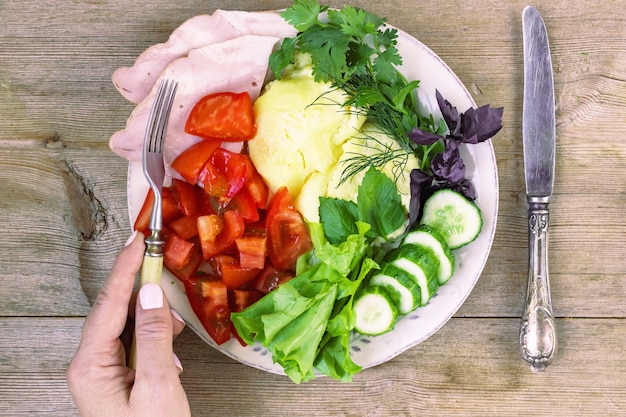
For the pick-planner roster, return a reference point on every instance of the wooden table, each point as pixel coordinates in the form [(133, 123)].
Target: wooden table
[(64, 216)]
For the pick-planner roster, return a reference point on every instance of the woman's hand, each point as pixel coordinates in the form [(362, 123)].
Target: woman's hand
[(99, 380)]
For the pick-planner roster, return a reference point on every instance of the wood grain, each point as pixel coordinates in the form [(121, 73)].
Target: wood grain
[(63, 214)]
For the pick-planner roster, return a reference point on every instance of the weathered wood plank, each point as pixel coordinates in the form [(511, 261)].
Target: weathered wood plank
[(63, 220), (469, 368)]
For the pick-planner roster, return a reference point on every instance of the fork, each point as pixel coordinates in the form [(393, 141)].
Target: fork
[(154, 171)]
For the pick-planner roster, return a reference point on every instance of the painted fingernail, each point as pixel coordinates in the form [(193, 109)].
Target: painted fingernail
[(131, 238), (177, 316), (150, 296), (177, 363)]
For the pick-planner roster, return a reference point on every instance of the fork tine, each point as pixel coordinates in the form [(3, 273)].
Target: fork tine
[(163, 106)]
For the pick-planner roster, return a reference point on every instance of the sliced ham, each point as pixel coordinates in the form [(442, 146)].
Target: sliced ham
[(236, 65), (136, 82)]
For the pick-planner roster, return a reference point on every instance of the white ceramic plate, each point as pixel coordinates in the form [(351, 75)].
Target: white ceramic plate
[(420, 63)]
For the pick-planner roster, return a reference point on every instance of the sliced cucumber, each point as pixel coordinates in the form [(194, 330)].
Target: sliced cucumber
[(402, 288), (429, 237), (375, 311), (420, 263), (457, 219)]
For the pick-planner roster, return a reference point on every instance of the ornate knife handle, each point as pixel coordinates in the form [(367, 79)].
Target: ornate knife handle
[(538, 340)]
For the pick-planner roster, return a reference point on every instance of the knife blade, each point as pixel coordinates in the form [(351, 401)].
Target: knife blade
[(538, 338)]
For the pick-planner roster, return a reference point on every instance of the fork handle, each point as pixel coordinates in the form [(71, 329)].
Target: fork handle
[(151, 270), (152, 265)]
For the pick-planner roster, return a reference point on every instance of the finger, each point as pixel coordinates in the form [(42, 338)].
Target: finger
[(178, 323), (107, 318), (153, 337)]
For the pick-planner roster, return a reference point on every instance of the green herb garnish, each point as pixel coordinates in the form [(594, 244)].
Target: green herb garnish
[(354, 51)]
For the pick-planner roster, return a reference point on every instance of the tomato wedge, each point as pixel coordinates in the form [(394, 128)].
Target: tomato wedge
[(252, 251), (287, 235), (223, 116), (189, 163), (208, 298), (231, 272), (217, 233), (224, 174)]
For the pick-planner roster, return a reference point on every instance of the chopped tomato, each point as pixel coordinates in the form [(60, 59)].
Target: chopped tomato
[(208, 204), (189, 163), (244, 204), (217, 233), (169, 209), (208, 298), (243, 299), (191, 267), (224, 174), (186, 226), (252, 251), (223, 116), (255, 185), (231, 272), (188, 199), (240, 300), (177, 251), (143, 218), (287, 235), (270, 279)]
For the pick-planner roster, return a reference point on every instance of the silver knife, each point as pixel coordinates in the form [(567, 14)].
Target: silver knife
[(538, 339)]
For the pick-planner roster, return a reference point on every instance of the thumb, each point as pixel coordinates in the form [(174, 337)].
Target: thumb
[(154, 337)]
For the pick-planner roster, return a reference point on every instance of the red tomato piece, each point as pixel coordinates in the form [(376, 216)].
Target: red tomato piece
[(191, 267), (189, 163), (243, 299), (231, 272), (170, 205), (244, 204), (217, 233), (208, 204), (177, 251), (213, 181), (252, 251), (186, 226), (170, 209), (187, 197), (287, 235), (255, 185), (224, 116), (224, 174), (143, 218), (208, 298), (270, 279)]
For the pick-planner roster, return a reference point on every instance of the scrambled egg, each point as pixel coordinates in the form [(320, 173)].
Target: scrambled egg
[(304, 135)]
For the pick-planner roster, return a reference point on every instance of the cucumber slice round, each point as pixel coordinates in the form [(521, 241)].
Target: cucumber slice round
[(427, 236), (375, 312), (402, 288), (457, 219), (420, 263)]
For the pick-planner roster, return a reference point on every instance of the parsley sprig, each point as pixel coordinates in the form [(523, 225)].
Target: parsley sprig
[(356, 52)]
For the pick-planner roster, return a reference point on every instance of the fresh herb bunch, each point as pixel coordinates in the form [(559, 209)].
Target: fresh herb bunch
[(447, 169), (354, 51)]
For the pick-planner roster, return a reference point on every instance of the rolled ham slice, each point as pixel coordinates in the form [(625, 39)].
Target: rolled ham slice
[(136, 82)]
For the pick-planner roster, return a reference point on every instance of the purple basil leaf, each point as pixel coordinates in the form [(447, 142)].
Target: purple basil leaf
[(449, 113), (478, 125), (419, 181), (449, 165), (466, 188), (421, 137)]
